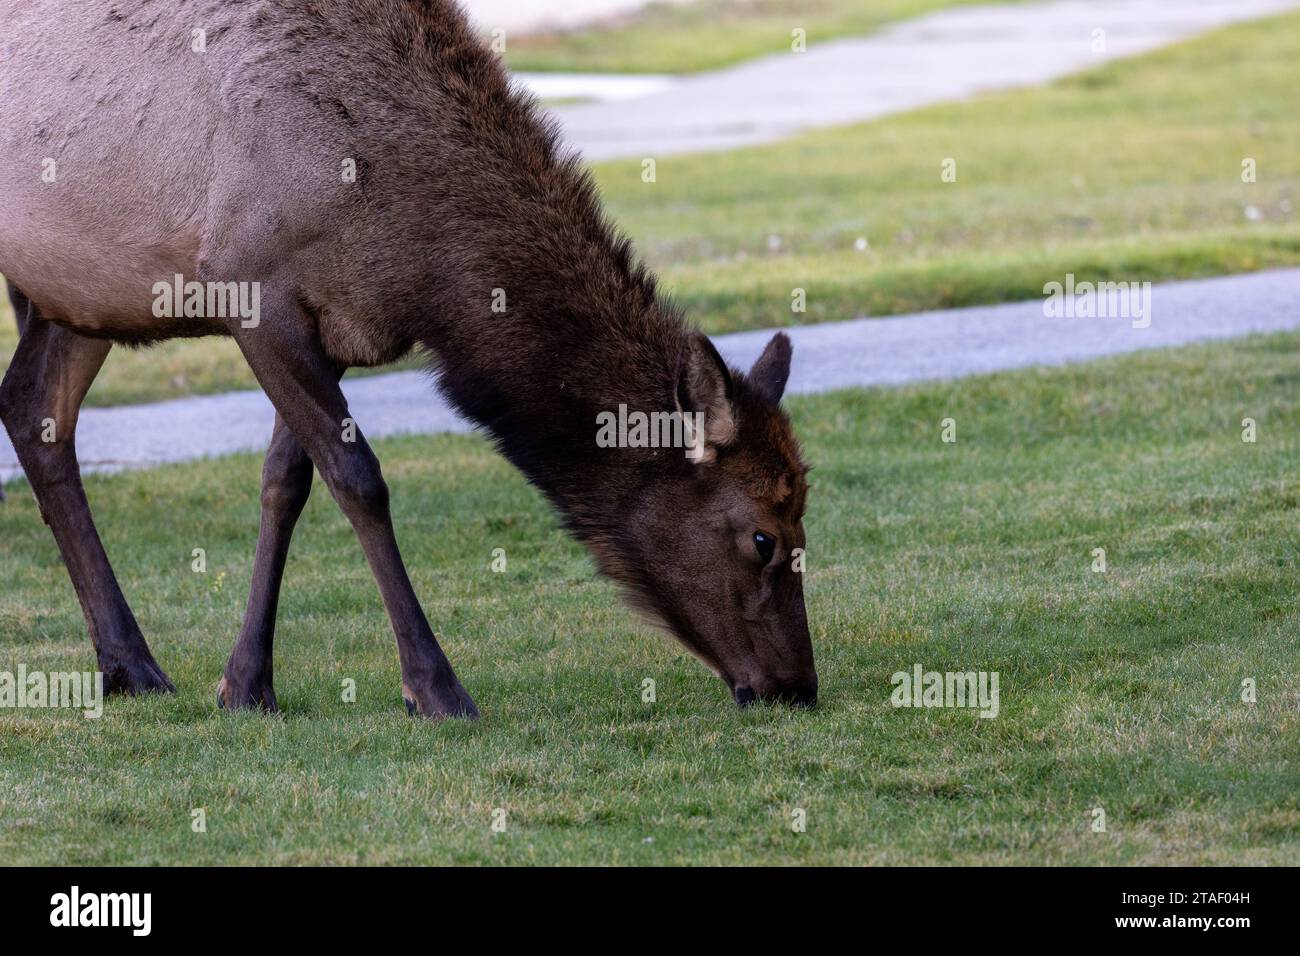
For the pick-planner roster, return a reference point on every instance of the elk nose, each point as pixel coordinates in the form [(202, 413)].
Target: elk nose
[(802, 692)]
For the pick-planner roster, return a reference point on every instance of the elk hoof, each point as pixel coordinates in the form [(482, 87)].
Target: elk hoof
[(134, 676), (448, 701), (231, 696)]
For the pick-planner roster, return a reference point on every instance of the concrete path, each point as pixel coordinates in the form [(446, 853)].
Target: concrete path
[(602, 87), (890, 351), (948, 55)]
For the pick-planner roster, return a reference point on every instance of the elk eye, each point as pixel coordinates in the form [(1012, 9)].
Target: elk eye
[(765, 544)]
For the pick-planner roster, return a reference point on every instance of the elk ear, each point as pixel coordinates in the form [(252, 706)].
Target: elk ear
[(772, 370), (704, 386)]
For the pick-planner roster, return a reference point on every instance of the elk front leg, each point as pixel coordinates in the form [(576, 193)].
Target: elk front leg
[(21, 306), (286, 485), (285, 353), (39, 400)]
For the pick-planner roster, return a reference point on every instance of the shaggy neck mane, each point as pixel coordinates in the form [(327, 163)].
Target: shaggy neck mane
[(556, 321), (582, 333), (560, 325)]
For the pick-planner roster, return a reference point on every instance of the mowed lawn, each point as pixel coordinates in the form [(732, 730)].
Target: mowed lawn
[(1119, 690)]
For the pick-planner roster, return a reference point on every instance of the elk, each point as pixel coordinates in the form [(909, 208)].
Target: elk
[(370, 167)]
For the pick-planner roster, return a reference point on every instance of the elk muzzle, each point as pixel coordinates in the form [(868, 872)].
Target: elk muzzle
[(800, 691)]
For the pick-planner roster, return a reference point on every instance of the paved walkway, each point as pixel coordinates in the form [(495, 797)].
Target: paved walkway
[(890, 351), (604, 87), (948, 55)]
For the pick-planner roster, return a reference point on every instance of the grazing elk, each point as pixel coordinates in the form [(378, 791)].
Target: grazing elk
[(216, 140)]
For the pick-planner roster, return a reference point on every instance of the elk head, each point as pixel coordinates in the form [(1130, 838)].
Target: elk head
[(713, 548)]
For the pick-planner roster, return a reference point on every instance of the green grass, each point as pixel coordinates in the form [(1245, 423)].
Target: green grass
[(1130, 172), (707, 34), (1118, 690)]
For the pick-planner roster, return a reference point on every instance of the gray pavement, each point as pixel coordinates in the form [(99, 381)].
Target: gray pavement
[(948, 55), (888, 351)]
